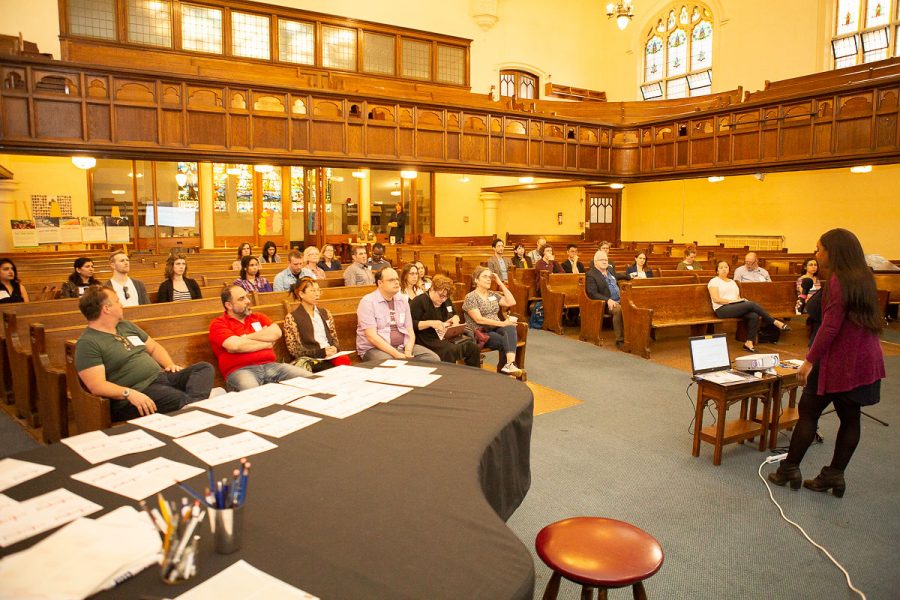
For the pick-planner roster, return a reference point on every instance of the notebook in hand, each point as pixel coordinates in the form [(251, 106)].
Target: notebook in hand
[(711, 361), (452, 332)]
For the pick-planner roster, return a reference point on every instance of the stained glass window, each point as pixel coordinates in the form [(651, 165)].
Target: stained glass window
[(250, 35), (92, 18), (150, 22), (339, 48), (864, 31), (201, 29), (518, 84), (379, 53), (451, 67), (416, 57), (678, 53), (296, 42)]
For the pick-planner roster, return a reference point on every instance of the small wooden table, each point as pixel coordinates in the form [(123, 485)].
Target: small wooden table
[(788, 383), (739, 429)]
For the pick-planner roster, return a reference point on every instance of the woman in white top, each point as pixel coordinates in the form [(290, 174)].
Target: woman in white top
[(409, 281), (311, 264), (728, 304), (244, 249)]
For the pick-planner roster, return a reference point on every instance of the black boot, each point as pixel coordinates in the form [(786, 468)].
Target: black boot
[(787, 472), (829, 479)]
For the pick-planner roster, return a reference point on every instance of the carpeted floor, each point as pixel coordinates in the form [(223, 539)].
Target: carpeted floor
[(625, 453), (13, 438)]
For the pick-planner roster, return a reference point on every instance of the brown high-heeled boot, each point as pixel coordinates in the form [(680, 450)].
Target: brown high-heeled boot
[(829, 479), (787, 472)]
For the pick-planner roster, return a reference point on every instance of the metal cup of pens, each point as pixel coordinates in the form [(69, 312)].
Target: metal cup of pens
[(177, 527), (227, 526)]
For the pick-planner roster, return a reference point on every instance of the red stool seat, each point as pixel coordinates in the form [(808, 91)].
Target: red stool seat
[(599, 552)]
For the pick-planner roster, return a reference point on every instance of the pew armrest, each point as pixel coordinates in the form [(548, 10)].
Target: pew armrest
[(91, 412), (638, 323)]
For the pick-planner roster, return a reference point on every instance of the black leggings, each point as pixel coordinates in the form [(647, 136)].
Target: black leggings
[(750, 311), (811, 407)]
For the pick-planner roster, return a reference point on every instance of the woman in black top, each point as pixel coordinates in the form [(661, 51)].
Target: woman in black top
[(329, 262), (80, 279), (11, 290), (432, 312), (270, 252), (520, 259), (177, 286)]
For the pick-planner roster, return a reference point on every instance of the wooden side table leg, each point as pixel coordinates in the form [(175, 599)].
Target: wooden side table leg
[(552, 589), (722, 405), (698, 420), (775, 417), (637, 590), (767, 407)]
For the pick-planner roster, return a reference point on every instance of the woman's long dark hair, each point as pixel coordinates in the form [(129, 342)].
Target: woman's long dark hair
[(245, 262), (848, 263), (265, 251), (75, 276)]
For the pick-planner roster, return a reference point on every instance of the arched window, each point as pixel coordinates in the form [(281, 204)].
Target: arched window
[(678, 53), (865, 31), (518, 84)]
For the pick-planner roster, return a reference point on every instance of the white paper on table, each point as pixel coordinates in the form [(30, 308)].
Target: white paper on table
[(331, 381), (139, 481), (6, 501), (276, 425), (215, 451), (393, 362), (338, 406), (22, 520), (243, 580), (405, 375), (341, 353), (110, 548), (186, 423), (96, 446), (14, 471), (248, 401)]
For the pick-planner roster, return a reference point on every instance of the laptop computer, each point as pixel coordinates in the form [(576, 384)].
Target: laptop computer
[(711, 361)]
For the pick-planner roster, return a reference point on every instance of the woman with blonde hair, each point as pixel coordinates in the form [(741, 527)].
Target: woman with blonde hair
[(311, 264)]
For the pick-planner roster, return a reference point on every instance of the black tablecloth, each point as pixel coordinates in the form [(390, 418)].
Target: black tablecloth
[(404, 500)]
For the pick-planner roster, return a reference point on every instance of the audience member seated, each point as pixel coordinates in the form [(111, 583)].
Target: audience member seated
[(728, 304), (80, 279), (251, 280), (600, 284), (329, 262), (378, 262), (750, 270), (807, 284), (287, 278), (177, 286), (309, 331), (572, 264), (424, 279), (358, 271), (605, 246), (243, 250), (11, 289), (536, 254), (131, 292), (269, 253), (432, 313), (116, 359), (638, 269), (385, 326), (497, 263), (520, 259), (243, 343), (311, 264), (409, 282), (481, 309), (690, 261), (547, 262)]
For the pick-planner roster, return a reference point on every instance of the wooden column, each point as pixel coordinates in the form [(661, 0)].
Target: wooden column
[(207, 227), (7, 211)]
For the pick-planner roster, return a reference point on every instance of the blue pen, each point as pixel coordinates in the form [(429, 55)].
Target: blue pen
[(186, 488), (243, 483), (212, 480)]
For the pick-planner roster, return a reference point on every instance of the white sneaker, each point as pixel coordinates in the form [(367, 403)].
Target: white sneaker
[(511, 369)]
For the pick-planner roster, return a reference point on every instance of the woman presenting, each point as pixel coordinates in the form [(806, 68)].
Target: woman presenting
[(844, 366)]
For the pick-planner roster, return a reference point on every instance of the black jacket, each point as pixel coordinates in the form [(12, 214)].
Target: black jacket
[(167, 291)]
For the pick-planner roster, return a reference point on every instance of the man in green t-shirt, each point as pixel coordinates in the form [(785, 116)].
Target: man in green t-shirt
[(116, 359)]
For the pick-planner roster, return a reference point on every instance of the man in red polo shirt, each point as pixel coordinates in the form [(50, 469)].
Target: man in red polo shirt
[(243, 343)]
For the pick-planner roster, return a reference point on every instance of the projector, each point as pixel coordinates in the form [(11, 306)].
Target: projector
[(756, 362)]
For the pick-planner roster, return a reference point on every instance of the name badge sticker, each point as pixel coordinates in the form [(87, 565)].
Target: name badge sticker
[(135, 340), (257, 326), (401, 318), (4, 294), (449, 309)]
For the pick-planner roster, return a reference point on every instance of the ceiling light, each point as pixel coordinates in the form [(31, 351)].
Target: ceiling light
[(360, 174), (616, 186), (181, 179), (395, 192), (337, 178), (623, 12), (526, 179), (408, 174), (233, 170), (715, 179), (139, 175), (117, 192), (84, 162), (263, 168), (860, 169), (464, 179)]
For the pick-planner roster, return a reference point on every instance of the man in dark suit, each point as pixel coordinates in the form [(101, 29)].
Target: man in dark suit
[(600, 284), (572, 264)]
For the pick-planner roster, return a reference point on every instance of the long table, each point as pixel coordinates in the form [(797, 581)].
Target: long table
[(407, 499)]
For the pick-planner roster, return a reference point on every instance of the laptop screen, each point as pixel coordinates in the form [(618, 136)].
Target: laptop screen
[(710, 353)]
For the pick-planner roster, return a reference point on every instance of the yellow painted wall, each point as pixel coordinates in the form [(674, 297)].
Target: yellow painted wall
[(799, 206), (535, 212), (47, 175), (38, 20)]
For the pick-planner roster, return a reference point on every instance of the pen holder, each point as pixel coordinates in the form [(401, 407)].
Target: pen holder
[(227, 526), (178, 567)]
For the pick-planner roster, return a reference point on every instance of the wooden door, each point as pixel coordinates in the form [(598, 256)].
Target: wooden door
[(603, 215)]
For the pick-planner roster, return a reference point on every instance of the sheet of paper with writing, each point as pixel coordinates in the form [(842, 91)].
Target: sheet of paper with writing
[(21, 520), (14, 471), (214, 450), (139, 481), (186, 423), (96, 446)]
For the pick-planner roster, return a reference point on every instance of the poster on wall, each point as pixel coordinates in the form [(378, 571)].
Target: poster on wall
[(24, 233), (92, 230), (117, 230), (69, 230), (47, 230)]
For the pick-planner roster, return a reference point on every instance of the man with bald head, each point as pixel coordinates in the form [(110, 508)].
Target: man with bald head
[(385, 326), (600, 284), (750, 270)]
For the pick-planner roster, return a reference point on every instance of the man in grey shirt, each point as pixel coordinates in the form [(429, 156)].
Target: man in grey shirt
[(750, 270), (359, 273)]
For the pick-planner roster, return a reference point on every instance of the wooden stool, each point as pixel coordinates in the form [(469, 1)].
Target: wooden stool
[(598, 553)]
